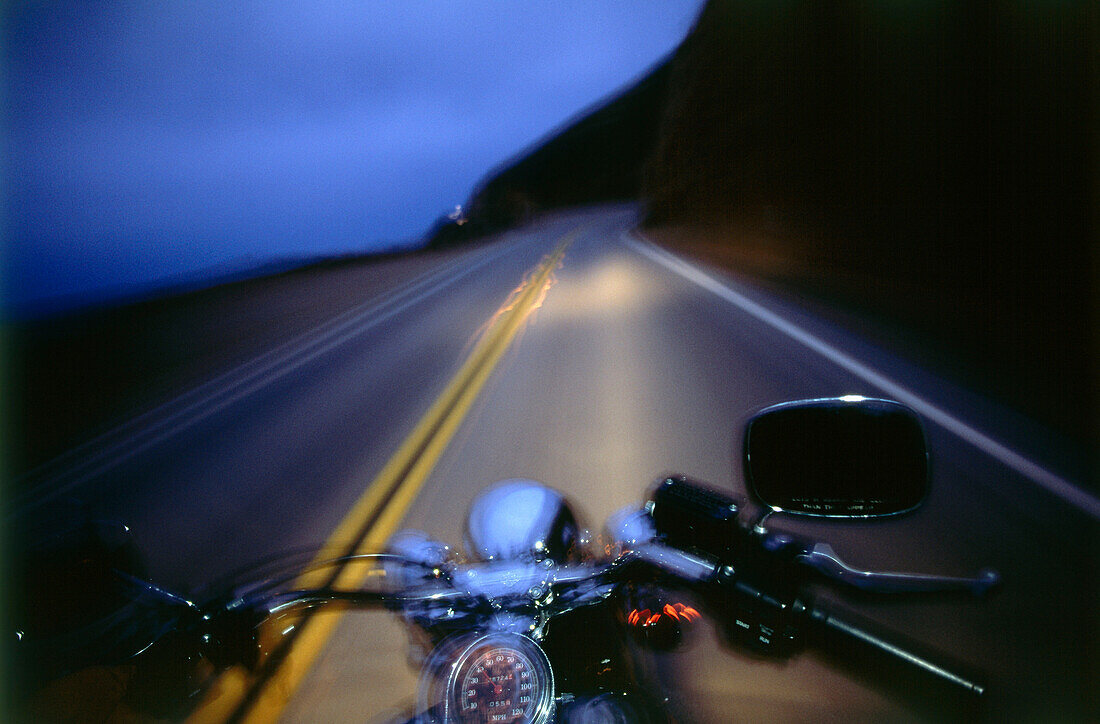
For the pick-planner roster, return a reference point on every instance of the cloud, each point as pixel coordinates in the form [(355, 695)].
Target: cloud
[(156, 139)]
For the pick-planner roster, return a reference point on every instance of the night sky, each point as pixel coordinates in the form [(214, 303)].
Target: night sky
[(152, 144)]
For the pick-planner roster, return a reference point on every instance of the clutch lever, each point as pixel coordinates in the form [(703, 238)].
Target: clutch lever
[(821, 557)]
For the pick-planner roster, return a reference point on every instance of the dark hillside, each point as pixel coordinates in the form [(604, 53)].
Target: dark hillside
[(598, 158), (930, 165)]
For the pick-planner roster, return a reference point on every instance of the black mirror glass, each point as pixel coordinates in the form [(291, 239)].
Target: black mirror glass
[(843, 457)]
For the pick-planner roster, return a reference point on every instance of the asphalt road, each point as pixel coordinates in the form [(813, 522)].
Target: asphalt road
[(633, 365)]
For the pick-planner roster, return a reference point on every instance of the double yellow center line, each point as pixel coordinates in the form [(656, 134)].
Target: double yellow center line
[(255, 697)]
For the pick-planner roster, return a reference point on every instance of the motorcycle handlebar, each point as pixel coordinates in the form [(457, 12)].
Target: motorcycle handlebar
[(847, 635)]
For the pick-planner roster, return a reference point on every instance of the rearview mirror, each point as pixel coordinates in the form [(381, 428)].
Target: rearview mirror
[(843, 457)]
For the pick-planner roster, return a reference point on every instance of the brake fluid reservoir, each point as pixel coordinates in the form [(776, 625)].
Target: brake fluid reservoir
[(693, 516)]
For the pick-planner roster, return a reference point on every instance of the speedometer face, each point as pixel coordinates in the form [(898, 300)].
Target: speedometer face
[(502, 679), (499, 687)]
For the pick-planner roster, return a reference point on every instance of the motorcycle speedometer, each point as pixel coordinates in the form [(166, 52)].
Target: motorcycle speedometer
[(501, 678)]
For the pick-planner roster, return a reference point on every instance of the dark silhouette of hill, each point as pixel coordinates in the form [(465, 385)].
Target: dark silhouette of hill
[(928, 164), (931, 164), (595, 159)]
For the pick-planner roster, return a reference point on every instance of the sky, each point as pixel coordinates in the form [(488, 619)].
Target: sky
[(153, 144)]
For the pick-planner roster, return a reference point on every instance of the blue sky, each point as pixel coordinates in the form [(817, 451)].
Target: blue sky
[(154, 143)]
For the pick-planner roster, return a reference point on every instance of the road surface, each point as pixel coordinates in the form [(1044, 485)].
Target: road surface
[(627, 363)]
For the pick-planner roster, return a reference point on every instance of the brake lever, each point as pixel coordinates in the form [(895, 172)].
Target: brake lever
[(823, 558)]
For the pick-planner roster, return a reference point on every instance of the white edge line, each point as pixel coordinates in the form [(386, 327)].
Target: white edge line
[(1053, 483), (57, 485), (227, 380)]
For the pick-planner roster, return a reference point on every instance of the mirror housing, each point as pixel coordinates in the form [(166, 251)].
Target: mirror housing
[(845, 457)]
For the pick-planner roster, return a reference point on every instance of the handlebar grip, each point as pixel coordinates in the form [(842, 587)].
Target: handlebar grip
[(908, 665)]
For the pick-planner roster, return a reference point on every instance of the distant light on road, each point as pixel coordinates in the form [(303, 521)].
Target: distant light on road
[(614, 286), (458, 215)]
